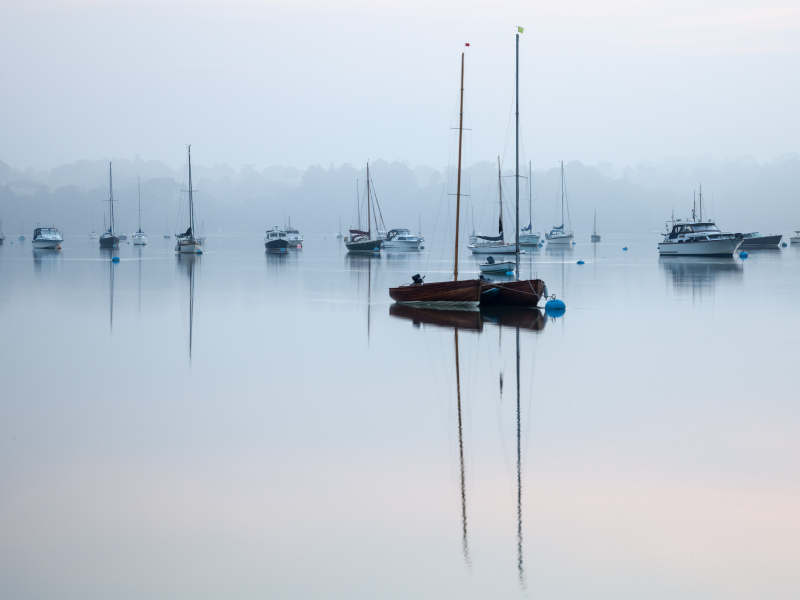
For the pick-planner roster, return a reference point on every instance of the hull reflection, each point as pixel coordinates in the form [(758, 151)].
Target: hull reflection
[(700, 273), (471, 319)]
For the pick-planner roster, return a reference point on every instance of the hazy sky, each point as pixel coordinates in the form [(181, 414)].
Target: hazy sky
[(307, 82)]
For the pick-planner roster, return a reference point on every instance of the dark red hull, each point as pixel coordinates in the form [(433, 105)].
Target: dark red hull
[(455, 292), (527, 292)]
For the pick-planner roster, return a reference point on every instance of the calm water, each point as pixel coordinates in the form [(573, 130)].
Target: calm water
[(242, 425)]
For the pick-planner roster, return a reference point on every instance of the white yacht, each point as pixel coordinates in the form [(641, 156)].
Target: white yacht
[(560, 234), (795, 239), (47, 237), (402, 239), (293, 236), (486, 244), (698, 238), (530, 238), (187, 243), (139, 238)]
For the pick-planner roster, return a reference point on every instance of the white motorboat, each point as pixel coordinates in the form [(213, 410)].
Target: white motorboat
[(560, 234), (276, 240), (531, 238), (139, 238), (698, 237), (293, 236), (759, 240), (492, 266), (595, 235), (47, 238), (402, 239), (187, 243), (796, 238)]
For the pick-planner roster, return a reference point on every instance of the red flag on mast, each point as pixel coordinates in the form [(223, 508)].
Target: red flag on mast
[(466, 44)]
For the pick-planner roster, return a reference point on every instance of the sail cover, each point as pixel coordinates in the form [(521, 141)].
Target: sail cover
[(499, 238), (528, 228)]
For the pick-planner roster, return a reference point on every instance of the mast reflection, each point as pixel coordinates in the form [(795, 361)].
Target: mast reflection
[(464, 544), (520, 567), (188, 263)]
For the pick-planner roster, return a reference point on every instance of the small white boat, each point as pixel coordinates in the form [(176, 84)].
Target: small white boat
[(139, 238), (559, 234), (796, 238), (530, 238), (595, 235), (402, 239), (293, 236), (486, 244), (493, 248), (94, 235), (47, 238), (503, 266)]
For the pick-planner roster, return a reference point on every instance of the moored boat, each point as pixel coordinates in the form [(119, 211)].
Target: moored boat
[(187, 243), (275, 240), (530, 238), (110, 239), (697, 237), (595, 235), (795, 239), (139, 238), (47, 238), (560, 234), (402, 239), (485, 244), (360, 240), (757, 240), (492, 266)]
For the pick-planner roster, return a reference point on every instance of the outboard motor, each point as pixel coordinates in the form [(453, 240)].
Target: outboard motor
[(490, 260), (417, 279)]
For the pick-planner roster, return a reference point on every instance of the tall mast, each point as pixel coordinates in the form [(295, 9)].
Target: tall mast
[(562, 195), (500, 194), (111, 200), (458, 184), (369, 225), (701, 202), (191, 201), (516, 221), (530, 198), (139, 189)]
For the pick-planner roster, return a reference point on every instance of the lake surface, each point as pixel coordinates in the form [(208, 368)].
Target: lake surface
[(250, 425)]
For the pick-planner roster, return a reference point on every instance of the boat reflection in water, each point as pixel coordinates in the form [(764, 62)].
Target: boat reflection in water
[(473, 319), (188, 264), (699, 274), (46, 260)]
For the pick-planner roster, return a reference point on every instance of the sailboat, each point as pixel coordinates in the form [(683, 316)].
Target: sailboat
[(166, 227), (187, 242), (2, 237), (139, 238), (595, 235), (22, 232), (530, 238), (494, 244), (339, 235), (109, 239), (360, 240), (93, 235), (559, 235)]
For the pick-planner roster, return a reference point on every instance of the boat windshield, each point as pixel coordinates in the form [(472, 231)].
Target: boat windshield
[(704, 227)]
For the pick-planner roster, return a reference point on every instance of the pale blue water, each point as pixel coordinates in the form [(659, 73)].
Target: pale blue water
[(297, 437)]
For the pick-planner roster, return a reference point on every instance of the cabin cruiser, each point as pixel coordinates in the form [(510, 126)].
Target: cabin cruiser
[(757, 240), (293, 237), (698, 238), (276, 239), (557, 235), (47, 237), (796, 238), (402, 239)]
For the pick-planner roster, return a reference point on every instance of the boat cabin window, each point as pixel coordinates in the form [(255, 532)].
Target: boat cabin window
[(705, 227)]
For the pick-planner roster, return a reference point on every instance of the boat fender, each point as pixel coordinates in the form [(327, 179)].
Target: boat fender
[(580, 262), (545, 291), (115, 259), (509, 272), (299, 246), (743, 255), (625, 248)]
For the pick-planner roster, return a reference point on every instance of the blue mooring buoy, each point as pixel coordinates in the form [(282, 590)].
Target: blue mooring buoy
[(573, 243), (115, 259), (743, 255), (378, 249), (625, 248), (580, 262), (199, 252), (555, 307), (783, 244)]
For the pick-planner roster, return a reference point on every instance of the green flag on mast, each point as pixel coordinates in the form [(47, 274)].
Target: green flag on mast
[(520, 29)]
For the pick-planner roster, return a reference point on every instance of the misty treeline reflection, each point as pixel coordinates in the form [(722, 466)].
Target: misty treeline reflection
[(627, 199)]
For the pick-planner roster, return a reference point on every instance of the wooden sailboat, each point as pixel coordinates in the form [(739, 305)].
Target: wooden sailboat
[(360, 240), (445, 293), (526, 292)]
